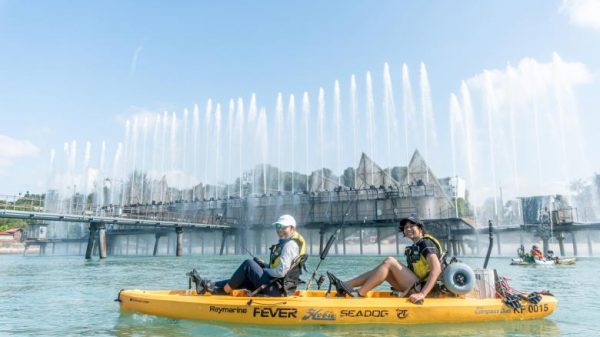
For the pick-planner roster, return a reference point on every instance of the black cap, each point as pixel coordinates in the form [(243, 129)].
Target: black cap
[(410, 219)]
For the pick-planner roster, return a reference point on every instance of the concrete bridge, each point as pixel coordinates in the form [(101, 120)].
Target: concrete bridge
[(354, 238)]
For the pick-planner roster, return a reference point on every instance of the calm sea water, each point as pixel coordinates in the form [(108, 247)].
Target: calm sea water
[(68, 296)]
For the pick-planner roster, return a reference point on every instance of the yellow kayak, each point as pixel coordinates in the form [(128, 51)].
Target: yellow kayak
[(314, 307)]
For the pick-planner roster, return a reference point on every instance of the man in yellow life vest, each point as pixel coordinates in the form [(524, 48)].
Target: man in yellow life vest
[(254, 273), (418, 276)]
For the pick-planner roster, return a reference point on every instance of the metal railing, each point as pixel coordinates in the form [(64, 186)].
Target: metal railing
[(235, 210), (22, 202)]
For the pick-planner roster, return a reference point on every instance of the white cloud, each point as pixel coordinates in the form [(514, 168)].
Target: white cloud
[(12, 149), (531, 78), (584, 13)]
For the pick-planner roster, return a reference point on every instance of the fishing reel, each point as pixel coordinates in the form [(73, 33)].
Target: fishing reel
[(320, 281)]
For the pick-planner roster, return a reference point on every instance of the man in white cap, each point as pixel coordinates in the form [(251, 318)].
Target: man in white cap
[(254, 273)]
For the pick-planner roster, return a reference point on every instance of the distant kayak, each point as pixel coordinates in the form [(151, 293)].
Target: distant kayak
[(527, 259), (553, 261), (308, 307)]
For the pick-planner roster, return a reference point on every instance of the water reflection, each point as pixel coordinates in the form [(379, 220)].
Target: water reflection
[(146, 325)]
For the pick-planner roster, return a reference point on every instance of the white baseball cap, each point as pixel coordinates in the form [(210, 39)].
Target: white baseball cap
[(285, 221)]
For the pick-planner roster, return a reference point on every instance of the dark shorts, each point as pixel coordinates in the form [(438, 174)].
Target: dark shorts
[(417, 287), (251, 276)]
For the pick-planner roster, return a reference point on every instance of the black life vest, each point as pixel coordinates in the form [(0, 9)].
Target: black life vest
[(417, 262)]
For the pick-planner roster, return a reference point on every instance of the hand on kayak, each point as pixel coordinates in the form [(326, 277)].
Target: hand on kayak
[(260, 262), (417, 298)]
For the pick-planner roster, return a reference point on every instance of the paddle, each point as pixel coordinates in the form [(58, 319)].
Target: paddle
[(331, 240)]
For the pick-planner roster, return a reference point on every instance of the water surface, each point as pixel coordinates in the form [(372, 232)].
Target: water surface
[(69, 296)]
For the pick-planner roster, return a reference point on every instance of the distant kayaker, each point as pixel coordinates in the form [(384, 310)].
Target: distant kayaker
[(418, 277), (254, 273), (536, 252)]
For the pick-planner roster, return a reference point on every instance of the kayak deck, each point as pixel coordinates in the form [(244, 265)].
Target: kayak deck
[(313, 307)]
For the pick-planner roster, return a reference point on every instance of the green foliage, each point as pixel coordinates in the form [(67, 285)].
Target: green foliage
[(28, 202), (585, 195), (464, 208), (348, 177), (398, 173), (6, 224)]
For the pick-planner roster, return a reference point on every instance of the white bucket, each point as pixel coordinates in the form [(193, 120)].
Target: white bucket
[(485, 284)]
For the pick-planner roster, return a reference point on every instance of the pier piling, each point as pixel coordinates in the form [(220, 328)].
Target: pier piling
[(321, 237), (223, 239), (360, 240), (378, 240), (91, 240), (561, 243), (101, 239), (156, 239), (179, 250)]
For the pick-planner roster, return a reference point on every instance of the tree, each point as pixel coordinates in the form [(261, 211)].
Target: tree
[(6, 224), (29, 202)]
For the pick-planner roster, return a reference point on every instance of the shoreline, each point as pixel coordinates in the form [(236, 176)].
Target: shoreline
[(8, 248)]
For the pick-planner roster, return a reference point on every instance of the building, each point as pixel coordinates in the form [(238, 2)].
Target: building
[(13, 234), (455, 187)]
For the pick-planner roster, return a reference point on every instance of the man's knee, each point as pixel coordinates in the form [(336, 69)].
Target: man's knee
[(390, 261), (249, 264)]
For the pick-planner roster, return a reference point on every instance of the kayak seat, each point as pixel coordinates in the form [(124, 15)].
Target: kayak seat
[(289, 282)]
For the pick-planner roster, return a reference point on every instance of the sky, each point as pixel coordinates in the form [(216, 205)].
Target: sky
[(79, 72)]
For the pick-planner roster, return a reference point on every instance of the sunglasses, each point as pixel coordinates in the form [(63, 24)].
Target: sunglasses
[(280, 226)]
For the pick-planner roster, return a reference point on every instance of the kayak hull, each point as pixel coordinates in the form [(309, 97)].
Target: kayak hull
[(570, 260), (313, 307), (561, 261)]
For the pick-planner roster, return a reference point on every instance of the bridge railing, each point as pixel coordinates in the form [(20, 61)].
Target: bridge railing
[(315, 207), (322, 206)]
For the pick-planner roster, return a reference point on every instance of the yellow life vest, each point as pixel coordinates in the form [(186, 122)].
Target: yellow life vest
[(417, 261), (276, 249)]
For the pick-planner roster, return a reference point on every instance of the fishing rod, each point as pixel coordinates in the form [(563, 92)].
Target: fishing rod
[(331, 240), (249, 253), (258, 260)]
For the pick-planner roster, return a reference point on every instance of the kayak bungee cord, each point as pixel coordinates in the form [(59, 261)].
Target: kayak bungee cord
[(512, 297)]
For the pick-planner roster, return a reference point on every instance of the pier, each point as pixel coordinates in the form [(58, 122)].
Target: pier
[(98, 226), (365, 217)]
